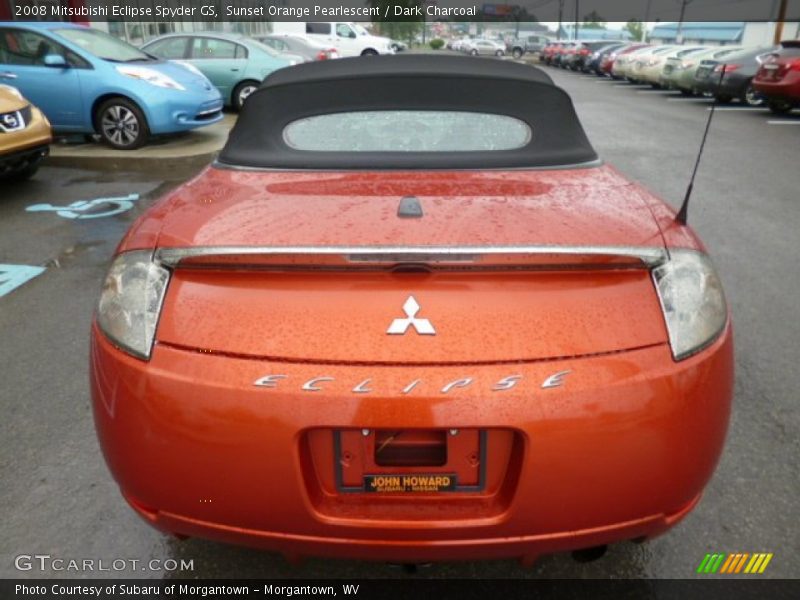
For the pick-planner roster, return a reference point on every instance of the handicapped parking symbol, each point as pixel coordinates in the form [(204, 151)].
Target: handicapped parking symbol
[(81, 209)]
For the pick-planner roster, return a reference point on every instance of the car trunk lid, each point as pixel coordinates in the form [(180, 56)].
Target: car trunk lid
[(500, 267)]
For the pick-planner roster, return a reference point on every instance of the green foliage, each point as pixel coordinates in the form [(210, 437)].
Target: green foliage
[(401, 27), (636, 29), (593, 21), (437, 43)]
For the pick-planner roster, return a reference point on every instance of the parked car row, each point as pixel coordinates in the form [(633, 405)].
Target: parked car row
[(756, 76)]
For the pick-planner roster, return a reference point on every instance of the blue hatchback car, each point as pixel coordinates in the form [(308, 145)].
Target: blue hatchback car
[(87, 81)]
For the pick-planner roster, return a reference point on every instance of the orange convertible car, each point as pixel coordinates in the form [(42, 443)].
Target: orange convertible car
[(409, 315)]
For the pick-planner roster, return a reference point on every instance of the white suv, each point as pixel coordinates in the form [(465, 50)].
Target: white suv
[(350, 39)]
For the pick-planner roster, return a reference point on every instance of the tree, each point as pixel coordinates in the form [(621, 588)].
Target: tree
[(593, 21), (636, 29), (399, 27)]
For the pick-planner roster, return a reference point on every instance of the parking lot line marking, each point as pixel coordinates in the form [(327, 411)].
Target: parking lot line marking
[(13, 276), (685, 99), (740, 109), (797, 122)]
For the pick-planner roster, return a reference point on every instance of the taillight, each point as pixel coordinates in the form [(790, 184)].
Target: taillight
[(726, 68), (794, 65), (584, 51), (327, 53)]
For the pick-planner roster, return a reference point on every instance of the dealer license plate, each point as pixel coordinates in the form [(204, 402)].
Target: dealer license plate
[(411, 483)]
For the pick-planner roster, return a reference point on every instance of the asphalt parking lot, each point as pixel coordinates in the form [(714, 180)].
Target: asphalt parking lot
[(59, 499)]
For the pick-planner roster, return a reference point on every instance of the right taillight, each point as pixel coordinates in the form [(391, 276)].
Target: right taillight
[(692, 300)]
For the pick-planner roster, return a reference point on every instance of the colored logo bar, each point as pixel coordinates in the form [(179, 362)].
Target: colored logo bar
[(738, 562)]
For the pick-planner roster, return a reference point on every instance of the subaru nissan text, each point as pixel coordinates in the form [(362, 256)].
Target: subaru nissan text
[(409, 315)]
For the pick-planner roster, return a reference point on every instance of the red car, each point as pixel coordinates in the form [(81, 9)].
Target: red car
[(778, 79), (549, 51), (409, 315)]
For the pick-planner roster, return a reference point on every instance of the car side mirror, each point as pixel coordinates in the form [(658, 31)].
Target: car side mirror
[(352, 35), (55, 60)]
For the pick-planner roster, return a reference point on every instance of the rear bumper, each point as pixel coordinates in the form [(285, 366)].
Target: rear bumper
[(173, 113), (787, 89), (21, 159), (526, 548), (623, 450), (732, 85), (650, 74)]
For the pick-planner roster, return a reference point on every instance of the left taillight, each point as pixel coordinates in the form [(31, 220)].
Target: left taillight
[(131, 300), (328, 53), (726, 68)]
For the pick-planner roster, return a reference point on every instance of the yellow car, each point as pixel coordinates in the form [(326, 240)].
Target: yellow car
[(25, 135)]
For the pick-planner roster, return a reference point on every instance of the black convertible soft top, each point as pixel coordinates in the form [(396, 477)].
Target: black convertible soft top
[(408, 82)]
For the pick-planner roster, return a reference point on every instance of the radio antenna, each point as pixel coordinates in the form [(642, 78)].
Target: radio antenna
[(683, 213)]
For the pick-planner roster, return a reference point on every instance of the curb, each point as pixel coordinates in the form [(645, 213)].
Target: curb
[(188, 150), (114, 162)]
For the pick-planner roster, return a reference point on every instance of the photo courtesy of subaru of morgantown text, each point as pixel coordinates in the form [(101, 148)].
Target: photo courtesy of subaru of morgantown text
[(449, 299)]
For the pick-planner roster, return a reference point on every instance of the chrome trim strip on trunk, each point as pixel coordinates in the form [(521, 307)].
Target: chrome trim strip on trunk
[(648, 255), (217, 164)]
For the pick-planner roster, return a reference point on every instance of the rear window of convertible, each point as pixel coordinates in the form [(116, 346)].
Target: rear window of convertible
[(407, 131)]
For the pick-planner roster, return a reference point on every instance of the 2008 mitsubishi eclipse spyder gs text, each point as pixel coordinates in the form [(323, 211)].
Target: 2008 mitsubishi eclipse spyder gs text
[(408, 315)]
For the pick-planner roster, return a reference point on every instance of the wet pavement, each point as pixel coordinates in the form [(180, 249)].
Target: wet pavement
[(59, 499)]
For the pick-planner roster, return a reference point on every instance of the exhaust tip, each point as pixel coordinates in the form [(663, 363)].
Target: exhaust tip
[(410, 568), (587, 555)]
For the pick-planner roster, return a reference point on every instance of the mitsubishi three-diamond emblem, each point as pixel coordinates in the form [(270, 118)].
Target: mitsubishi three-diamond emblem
[(400, 326)]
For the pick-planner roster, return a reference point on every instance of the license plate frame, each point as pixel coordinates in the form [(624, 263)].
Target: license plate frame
[(455, 486)]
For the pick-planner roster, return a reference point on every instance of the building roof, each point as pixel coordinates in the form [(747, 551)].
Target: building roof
[(588, 33), (723, 31)]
